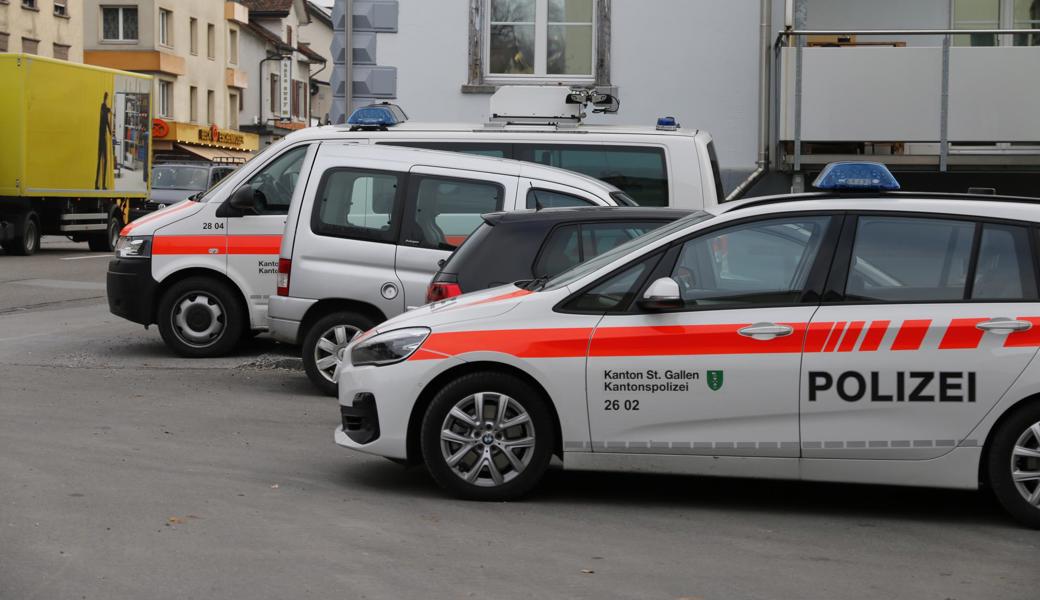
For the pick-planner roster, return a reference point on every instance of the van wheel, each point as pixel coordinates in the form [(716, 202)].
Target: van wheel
[(1013, 465), (107, 242), (26, 239), (323, 341), (487, 436), (201, 317)]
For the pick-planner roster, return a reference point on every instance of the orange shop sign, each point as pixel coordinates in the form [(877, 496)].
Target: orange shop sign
[(189, 133)]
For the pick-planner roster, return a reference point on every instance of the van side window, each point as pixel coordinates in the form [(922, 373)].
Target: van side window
[(640, 172), (357, 204), (539, 199), (275, 183), (478, 149), (447, 210), (1005, 270)]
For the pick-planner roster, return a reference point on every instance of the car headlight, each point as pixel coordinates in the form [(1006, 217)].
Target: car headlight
[(388, 348), (137, 246)]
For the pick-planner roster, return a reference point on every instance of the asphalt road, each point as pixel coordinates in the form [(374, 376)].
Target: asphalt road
[(128, 473)]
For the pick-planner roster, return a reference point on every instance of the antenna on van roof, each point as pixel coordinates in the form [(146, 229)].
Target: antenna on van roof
[(547, 105)]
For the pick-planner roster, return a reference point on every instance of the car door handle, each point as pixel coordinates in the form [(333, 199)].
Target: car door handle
[(1004, 326), (766, 331)]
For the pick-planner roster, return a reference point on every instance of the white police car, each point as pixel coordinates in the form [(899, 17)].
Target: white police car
[(856, 335)]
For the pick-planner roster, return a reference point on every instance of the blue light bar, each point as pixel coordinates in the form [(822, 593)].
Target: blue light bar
[(377, 116), (667, 124), (856, 176)]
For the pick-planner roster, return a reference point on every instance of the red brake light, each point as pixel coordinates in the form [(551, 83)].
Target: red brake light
[(442, 291), (284, 270)]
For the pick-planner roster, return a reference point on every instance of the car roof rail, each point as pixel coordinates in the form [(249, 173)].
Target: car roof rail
[(765, 200)]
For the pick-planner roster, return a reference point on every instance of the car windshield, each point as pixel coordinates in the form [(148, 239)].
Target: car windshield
[(581, 270), (177, 177), (258, 158)]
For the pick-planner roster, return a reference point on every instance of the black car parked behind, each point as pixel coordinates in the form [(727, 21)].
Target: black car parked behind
[(515, 246)]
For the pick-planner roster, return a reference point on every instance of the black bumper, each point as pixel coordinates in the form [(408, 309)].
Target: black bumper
[(361, 421), (131, 289)]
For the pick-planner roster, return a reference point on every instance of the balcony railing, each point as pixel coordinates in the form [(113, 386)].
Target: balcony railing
[(919, 105)]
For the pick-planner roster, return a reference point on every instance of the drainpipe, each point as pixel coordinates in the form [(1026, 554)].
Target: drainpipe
[(765, 45)]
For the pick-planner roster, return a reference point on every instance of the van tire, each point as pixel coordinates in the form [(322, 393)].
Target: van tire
[(320, 376), (456, 398), (201, 317), (106, 242), (26, 240), (1021, 427)]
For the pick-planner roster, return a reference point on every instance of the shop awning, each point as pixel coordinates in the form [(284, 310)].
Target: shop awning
[(216, 154)]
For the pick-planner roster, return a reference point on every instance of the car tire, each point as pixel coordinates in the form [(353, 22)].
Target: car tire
[(26, 240), (201, 317), (1015, 447), (470, 458), (322, 342), (107, 242)]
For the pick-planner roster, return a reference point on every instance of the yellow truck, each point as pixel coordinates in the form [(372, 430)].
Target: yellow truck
[(74, 152)]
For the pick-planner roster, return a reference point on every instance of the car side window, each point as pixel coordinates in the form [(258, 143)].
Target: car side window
[(572, 244), (274, 183), (447, 210), (909, 259), (614, 292), (762, 262), (562, 250), (538, 199), (597, 238), (639, 171), (357, 204), (1005, 268)]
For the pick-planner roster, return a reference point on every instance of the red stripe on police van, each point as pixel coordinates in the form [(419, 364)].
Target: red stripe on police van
[(524, 343), (163, 212), (911, 334), (690, 340), (1028, 338), (962, 335), (875, 333), (848, 343), (216, 244)]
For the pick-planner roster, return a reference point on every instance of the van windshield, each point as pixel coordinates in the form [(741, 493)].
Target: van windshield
[(180, 177), (581, 270)]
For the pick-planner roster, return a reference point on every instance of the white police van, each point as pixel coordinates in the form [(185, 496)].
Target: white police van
[(855, 335), (235, 254)]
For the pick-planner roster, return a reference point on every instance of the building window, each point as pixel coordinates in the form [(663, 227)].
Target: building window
[(30, 4), (276, 106), (61, 51), (193, 34), (211, 41), (552, 41), (541, 38), (165, 98), (233, 46), (3, 41), (119, 24), (288, 34), (30, 46), (232, 120), (193, 104), (996, 14), (165, 22), (61, 8)]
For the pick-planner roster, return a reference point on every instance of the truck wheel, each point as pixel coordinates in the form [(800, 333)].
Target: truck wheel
[(201, 317), (26, 239), (487, 436), (322, 342), (1013, 465), (107, 242)]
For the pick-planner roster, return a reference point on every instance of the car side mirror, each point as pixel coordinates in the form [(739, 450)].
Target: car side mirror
[(662, 294), (244, 199)]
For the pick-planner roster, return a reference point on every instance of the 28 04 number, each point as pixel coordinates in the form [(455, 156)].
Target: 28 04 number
[(621, 405), (217, 225)]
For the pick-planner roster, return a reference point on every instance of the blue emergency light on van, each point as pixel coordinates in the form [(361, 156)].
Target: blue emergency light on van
[(667, 124), (377, 116), (857, 176)]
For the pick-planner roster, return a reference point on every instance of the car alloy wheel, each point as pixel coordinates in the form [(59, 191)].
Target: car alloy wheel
[(326, 351), (487, 439), (1025, 464)]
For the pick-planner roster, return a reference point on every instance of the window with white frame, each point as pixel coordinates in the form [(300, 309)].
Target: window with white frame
[(540, 39), (165, 22), (996, 14), (119, 23), (61, 8), (165, 98)]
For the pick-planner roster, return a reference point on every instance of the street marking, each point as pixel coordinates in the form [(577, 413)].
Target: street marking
[(87, 256)]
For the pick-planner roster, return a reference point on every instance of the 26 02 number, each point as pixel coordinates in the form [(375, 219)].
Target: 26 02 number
[(621, 405)]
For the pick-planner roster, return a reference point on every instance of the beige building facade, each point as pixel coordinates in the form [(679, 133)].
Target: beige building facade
[(191, 47), (52, 28)]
